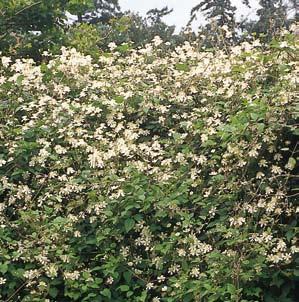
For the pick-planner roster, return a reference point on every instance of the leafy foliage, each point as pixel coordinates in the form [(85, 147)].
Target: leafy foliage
[(150, 175), (272, 15), (29, 27), (94, 11), (136, 30), (221, 10)]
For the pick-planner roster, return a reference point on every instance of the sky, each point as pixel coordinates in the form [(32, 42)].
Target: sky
[(181, 9)]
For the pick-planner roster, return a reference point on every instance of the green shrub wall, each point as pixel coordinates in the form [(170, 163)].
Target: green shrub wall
[(150, 175)]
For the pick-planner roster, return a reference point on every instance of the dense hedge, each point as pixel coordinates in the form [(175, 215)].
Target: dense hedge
[(150, 175)]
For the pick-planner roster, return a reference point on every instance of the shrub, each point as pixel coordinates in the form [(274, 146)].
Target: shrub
[(150, 175)]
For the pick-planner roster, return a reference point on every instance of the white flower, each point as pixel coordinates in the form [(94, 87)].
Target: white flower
[(283, 44), (228, 33), (112, 46), (77, 234), (149, 286), (237, 221), (195, 272), (31, 274), (177, 285), (161, 278), (5, 61), (51, 271), (202, 159), (109, 280), (253, 153), (157, 41), (59, 149), (294, 249), (276, 170), (263, 163), (95, 159), (174, 269), (198, 248), (71, 275), (181, 252), (212, 211), (259, 175), (225, 27), (204, 138), (256, 43)]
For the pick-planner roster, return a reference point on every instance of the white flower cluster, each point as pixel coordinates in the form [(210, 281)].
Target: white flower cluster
[(156, 164)]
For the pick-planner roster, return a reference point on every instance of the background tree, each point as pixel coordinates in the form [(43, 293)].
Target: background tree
[(94, 11), (220, 15), (28, 27), (272, 15), (138, 30), (293, 9), (220, 10)]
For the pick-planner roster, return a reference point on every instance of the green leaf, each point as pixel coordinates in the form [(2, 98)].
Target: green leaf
[(296, 272), (289, 235), (123, 48), (3, 268), (106, 293), (91, 295), (119, 99), (254, 116), (124, 288), (20, 80), (188, 298), (182, 67), (53, 292), (231, 288), (128, 276), (94, 285), (291, 163), (129, 224)]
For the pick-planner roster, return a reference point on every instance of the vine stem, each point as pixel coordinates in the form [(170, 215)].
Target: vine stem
[(11, 296)]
